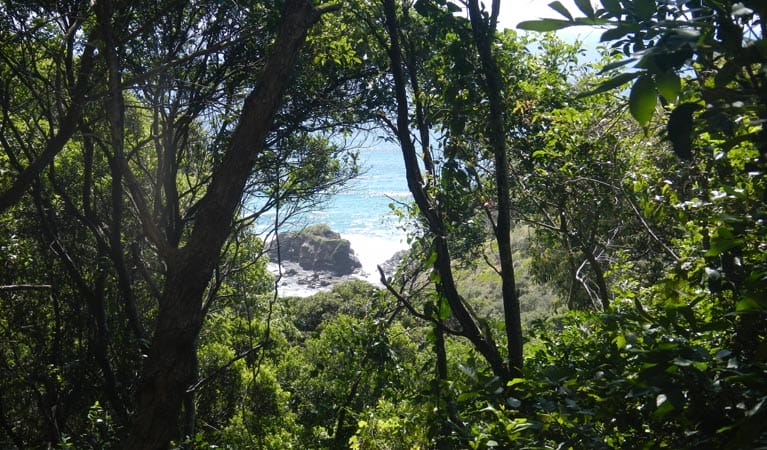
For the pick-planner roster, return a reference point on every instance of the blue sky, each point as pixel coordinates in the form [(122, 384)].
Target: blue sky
[(515, 11)]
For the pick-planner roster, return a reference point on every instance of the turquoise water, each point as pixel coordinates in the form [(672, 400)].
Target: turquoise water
[(363, 205), (361, 212)]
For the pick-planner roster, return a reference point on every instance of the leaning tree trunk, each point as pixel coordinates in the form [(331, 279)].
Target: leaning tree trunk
[(482, 342), (170, 368)]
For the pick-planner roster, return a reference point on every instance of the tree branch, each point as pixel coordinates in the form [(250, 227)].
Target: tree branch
[(24, 287)]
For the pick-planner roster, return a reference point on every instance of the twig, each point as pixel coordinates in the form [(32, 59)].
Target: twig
[(221, 369), (404, 302)]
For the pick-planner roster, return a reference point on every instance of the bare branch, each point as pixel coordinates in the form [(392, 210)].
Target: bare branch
[(216, 373), (24, 287), (409, 306)]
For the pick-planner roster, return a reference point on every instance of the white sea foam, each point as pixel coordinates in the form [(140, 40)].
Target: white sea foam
[(361, 214), (373, 250)]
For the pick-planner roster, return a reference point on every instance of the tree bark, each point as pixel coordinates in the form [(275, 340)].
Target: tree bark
[(599, 275), (483, 34), (469, 329), (170, 368)]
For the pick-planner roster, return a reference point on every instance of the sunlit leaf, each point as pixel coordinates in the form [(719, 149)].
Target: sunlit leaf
[(515, 381), (664, 406), (620, 341), (642, 99), (669, 85)]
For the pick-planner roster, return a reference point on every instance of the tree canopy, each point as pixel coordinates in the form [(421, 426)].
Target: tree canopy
[(587, 243)]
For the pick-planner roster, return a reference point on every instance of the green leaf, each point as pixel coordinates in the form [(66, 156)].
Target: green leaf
[(545, 25), (642, 99), (616, 64), (431, 336), (664, 406), (669, 85), (612, 83), (426, 8), (618, 32), (515, 381), (682, 362), (422, 7), (679, 129), (727, 73), (560, 8), (644, 9), (585, 7), (432, 259), (749, 304), (724, 353), (722, 240), (620, 341), (428, 309), (434, 276), (453, 8), (613, 7), (589, 21), (444, 309)]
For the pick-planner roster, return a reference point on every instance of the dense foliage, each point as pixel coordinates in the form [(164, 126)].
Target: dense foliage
[(588, 266)]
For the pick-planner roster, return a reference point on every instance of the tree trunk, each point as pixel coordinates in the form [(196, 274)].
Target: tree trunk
[(170, 367), (599, 275), (427, 206), (483, 34)]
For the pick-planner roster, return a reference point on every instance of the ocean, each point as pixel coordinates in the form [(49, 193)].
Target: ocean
[(361, 211)]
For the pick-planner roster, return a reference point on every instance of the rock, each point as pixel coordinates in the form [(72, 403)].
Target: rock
[(390, 265), (317, 248)]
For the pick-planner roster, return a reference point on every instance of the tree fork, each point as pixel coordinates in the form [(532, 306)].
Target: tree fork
[(482, 343), (170, 368)]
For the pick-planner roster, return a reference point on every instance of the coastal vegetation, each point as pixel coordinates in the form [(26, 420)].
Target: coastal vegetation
[(587, 262)]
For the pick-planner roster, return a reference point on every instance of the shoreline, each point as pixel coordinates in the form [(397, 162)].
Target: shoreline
[(370, 250)]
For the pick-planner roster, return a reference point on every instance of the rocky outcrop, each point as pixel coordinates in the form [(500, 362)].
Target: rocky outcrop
[(317, 248), (390, 265)]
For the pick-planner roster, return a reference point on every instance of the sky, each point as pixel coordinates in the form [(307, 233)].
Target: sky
[(515, 11)]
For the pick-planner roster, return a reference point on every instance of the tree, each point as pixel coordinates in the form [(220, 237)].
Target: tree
[(144, 176), (470, 115), (403, 63), (580, 199), (699, 64)]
